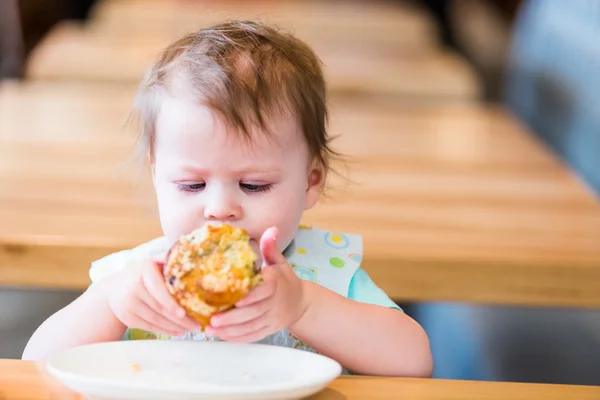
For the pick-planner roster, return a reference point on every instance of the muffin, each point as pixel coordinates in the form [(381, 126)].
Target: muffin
[(209, 270)]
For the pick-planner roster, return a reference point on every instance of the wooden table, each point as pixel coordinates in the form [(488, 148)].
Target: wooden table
[(380, 48), (24, 380), (377, 22), (454, 202), (79, 53)]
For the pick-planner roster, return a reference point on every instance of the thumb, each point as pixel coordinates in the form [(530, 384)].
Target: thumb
[(269, 251)]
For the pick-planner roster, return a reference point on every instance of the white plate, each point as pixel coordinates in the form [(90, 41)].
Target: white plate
[(149, 369)]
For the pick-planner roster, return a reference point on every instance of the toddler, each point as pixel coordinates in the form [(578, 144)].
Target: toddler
[(233, 121)]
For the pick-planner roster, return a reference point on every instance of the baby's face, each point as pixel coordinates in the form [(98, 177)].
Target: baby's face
[(204, 173)]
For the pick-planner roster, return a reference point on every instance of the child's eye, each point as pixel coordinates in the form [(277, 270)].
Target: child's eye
[(191, 187), (253, 188)]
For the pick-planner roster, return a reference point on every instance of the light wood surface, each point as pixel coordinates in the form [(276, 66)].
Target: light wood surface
[(75, 52), (379, 23), (25, 380), (454, 202)]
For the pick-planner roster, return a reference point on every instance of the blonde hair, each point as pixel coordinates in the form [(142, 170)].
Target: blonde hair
[(246, 71)]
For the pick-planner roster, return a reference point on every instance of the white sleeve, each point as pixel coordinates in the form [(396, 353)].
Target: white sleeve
[(109, 264), (117, 261)]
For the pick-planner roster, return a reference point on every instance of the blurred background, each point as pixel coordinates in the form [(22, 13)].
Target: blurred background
[(473, 127)]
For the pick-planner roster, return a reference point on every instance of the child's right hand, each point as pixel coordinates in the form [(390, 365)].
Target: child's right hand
[(139, 298)]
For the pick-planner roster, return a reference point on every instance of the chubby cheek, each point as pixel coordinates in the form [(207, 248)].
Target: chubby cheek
[(284, 213), (286, 226), (177, 216)]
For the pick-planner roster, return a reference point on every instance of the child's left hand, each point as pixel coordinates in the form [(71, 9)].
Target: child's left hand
[(276, 304)]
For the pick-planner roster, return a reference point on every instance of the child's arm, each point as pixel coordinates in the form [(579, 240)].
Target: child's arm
[(88, 319), (133, 297), (365, 338)]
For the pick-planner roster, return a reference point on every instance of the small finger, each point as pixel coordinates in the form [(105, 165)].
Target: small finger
[(159, 258), (260, 293), (187, 323), (271, 254), (250, 337), (241, 315), (233, 331), (155, 284), (141, 323), (157, 319)]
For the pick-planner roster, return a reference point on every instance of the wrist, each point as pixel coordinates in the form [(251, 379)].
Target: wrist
[(305, 305), (101, 291)]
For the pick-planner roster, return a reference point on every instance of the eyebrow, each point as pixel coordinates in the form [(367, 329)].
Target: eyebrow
[(247, 170)]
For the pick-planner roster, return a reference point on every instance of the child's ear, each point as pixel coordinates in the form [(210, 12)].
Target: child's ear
[(316, 182)]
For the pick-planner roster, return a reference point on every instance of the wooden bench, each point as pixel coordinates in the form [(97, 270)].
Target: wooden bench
[(455, 202), (73, 52)]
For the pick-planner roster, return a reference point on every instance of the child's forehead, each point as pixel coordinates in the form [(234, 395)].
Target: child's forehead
[(187, 123)]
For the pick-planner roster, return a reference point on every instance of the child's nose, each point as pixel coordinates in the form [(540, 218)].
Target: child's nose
[(222, 208)]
